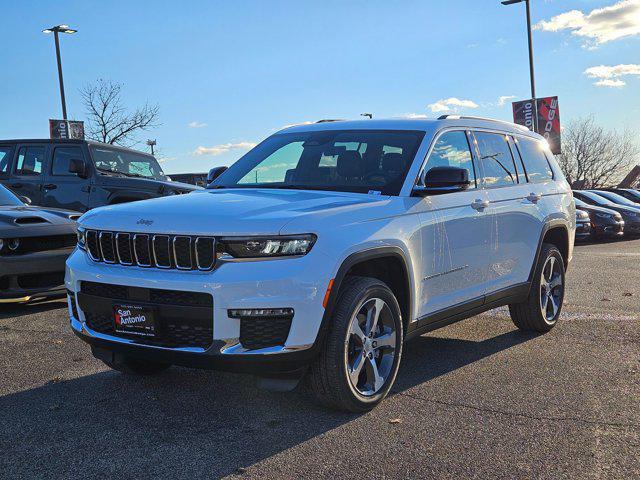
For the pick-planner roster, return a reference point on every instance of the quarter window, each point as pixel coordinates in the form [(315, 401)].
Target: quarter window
[(5, 158), (61, 158), (498, 169), (535, 161), (452, 150), (30, 161)]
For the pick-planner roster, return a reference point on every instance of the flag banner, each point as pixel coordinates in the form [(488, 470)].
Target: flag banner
[(523, 113), (65, 129), (549, 122)]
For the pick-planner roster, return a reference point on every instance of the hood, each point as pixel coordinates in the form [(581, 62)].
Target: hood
[(622, 209), (230, 211), (24, 221), (593, 208)]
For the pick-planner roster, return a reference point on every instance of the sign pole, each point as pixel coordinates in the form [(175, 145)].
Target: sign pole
[(64, 103), (531, 69)]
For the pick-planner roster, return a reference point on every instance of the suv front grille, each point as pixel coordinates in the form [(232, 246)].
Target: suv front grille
[(152, 250)]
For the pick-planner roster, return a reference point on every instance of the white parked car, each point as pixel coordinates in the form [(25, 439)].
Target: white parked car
[(325, 248)]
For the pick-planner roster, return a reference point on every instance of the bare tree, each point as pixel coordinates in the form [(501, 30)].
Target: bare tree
[(594, 157), (108, 120)]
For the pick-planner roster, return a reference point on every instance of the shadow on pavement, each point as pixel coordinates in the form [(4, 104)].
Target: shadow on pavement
[(10, 310), (185, 423)]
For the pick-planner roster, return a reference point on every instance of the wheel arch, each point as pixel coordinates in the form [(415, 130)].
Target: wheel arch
[(555, 232), (388, 264)]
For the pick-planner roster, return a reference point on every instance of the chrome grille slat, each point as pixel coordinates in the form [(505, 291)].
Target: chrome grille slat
[(123, 248), (161, 251), (106, 247), (180, 245), (149, 250)]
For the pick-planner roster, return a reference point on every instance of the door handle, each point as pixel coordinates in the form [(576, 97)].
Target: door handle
[(534, 197), (49, 186), (16, 185), (480, 204)]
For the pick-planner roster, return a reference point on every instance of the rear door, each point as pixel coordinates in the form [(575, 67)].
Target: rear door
[(62, 189), (455, 234), (516, 221), (6, 157), (28, 171)]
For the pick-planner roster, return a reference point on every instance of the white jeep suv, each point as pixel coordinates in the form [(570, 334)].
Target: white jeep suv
[(325, 248)]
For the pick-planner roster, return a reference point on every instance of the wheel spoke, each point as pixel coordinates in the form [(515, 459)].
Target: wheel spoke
[(385, 340), (356, 368), (373, 375), (554, 306), (556, 281), (373, 314), (552, 262), (356, 330), (545, 303)]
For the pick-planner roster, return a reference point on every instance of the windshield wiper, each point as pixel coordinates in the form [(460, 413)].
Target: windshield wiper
[(117, 172)]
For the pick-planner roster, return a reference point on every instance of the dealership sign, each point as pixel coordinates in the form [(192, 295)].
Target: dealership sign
[(547, 122), (65, 129)]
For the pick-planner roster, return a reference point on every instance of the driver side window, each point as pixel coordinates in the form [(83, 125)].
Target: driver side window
[(452, 150)]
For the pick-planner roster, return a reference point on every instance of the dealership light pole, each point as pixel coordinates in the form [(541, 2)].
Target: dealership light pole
[(151, 143), (56, 31), (531, 70)]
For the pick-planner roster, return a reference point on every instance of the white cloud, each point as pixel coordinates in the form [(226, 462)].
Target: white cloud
[(223, 148), (502, 101), (610, 83), (196, 124), (610, 76), (446, 105), (599, 26)]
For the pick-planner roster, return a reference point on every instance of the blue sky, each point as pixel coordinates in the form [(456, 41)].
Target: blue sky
[(227, 74)]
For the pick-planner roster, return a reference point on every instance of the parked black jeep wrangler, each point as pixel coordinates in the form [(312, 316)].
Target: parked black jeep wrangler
[(82, 174)]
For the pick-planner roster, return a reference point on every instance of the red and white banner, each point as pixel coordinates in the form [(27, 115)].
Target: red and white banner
[(547, 121)]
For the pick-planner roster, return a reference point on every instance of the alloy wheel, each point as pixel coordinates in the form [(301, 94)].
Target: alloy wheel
[(551, 289), (370, 347)]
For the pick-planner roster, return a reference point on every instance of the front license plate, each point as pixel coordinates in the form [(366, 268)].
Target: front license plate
[(134, 320)]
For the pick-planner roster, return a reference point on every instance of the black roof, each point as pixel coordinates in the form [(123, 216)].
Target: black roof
[(72, 141)]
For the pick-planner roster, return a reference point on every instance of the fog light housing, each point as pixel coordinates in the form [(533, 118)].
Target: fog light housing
[(13, 244), (259, 312)]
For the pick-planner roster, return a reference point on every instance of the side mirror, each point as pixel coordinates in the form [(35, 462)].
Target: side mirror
[(79, 167), (438, 180), (215, 173), (26, 200)]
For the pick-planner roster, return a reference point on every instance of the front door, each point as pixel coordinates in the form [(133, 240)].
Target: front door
[(455, 235), (27, 177), (61, 188)]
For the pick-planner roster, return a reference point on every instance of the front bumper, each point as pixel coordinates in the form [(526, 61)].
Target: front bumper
[(33, 275), (297, 283), (613, 229), (583, 230)]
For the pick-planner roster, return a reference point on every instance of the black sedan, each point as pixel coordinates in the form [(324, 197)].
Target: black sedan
[(628, 193), (34, 244), (630, 215), (604, 222)]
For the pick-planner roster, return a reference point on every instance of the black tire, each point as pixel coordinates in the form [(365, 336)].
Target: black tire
[(328, 375), (132, 366), (528, 315)]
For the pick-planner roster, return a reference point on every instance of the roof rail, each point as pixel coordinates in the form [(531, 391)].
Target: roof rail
[(325, 120), (470, 117)]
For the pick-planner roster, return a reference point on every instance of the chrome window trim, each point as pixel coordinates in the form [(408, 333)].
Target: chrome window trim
[(213, 246), (118, 248), (104, 259), (175, 256), (155, 258), (135, 250)]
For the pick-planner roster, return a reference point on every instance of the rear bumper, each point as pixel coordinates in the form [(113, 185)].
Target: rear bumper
[(31, 276)]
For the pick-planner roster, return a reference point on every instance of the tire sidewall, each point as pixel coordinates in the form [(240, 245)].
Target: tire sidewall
[(550, 251)]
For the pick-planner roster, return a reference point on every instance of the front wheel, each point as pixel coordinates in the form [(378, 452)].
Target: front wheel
[(361, 354), (541, 310)]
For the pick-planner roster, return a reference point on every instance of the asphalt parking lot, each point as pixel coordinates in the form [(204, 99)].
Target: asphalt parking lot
[(476, 399)]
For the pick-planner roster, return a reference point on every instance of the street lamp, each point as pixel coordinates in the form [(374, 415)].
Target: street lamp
[(151, 143), (57, 30), (531, 71)]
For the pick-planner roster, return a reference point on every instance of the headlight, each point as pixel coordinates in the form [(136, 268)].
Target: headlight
[(632, 214), (265, 247), (1, 244), (604, 215), (582, 215), (82, 238), (13, 244)]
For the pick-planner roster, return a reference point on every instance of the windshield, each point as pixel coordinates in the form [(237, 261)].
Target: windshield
[(130, 164), (597, 199), (7, 198), (619, 199), (363, 161)]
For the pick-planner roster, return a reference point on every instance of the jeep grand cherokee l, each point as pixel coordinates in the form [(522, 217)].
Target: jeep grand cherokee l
[(325, 248)]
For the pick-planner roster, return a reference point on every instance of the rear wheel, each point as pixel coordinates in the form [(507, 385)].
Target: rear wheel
[(541, 310), (361, 354), (132, 366)]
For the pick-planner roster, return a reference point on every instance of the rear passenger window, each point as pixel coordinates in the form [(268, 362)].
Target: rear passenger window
[(5, 159), (498, 169), (452, 150), (61, 158), (535, 161), (30, 161)]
